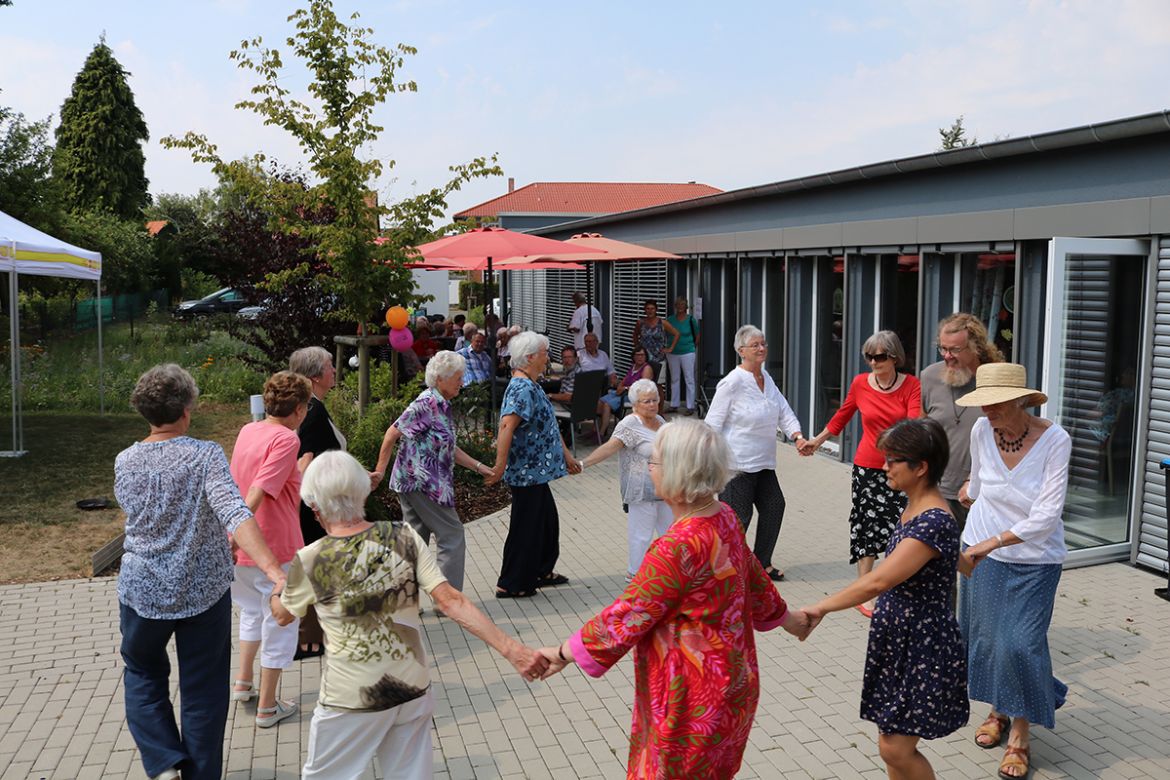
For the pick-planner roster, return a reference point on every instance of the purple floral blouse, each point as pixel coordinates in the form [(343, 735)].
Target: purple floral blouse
[(426, 452)]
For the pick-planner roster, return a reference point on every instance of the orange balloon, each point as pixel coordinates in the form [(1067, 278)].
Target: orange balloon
[(396, 317)]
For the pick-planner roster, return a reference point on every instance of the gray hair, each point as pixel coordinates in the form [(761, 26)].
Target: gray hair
[(523, 346), (695, 461), (746, 334), (885, 341), (310, 361), (641, 388), (163, 393), (443, 365), (515, 329), (335, 486), (469, 329)]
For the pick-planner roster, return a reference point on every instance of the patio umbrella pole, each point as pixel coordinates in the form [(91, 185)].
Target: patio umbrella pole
[(491, 338), (589, 299)]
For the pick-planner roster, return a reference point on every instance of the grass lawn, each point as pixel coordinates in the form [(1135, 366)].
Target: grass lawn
[(43, 535)]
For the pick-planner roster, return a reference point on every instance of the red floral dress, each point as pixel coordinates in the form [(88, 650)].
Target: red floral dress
[(690, 615)]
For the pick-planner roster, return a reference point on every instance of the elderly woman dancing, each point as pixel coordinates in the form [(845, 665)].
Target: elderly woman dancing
[(1015, 549), (748, 409), (883, 395), (179, 500), (424, 471), (633, 438), (689, 616), (530, 454), (268, 474), (915, 684), (317, 434), (365, 579)]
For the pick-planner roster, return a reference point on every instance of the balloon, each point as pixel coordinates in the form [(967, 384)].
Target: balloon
[(401, 339), (396, 317)]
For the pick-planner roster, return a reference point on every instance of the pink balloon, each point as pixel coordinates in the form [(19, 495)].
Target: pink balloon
[(401, 339)]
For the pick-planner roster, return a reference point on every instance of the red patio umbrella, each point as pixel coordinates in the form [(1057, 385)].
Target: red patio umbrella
[(488, 243), (605, 249)]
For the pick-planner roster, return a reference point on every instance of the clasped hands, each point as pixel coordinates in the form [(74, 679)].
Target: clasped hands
[(801, 622)]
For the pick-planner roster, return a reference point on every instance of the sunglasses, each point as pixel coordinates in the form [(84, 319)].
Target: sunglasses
[(880, 357), (891, 461)]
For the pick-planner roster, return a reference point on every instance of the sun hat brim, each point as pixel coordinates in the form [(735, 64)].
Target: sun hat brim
[(989, 396)]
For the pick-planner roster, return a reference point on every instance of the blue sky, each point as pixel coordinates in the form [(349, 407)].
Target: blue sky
[(732, 94)]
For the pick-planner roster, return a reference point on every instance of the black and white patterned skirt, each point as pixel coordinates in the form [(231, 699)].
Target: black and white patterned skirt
[(876, 508)]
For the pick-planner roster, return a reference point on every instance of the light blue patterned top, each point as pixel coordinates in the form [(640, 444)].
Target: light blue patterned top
[(537, 454), (181, 503), (426, 452)]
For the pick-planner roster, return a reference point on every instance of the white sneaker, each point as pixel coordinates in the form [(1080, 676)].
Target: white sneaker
[(267, 717), (167, 774)]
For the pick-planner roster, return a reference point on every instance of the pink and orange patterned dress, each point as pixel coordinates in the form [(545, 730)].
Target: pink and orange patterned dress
[(690, 615)]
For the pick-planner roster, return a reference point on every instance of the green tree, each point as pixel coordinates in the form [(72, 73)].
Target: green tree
[(27, 189), (128, 262), (351, 76), (955, 136), (99, 158)]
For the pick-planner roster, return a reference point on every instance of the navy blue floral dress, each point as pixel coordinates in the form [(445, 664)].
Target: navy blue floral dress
[(916, 665)]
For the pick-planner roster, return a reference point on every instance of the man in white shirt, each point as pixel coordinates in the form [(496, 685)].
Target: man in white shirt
[(579, 324), (593, 359)]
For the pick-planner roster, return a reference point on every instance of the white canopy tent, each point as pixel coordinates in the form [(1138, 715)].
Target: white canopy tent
[(26, 250)]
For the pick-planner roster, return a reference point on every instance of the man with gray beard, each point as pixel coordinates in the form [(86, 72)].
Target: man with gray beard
[(963, 345)]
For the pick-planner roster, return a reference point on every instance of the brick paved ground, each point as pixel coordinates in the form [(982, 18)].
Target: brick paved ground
[(61, 710)]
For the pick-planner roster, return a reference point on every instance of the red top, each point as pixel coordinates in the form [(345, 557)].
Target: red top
[(265, 456), (878, 411)]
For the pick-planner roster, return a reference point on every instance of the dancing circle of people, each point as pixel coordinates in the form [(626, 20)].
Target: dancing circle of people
[(953, 476)]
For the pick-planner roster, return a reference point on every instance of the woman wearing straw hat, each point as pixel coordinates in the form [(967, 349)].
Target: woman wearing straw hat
[(1014, 551)]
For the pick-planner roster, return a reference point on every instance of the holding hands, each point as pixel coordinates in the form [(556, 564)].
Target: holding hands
[(807, 447), (801, 622), (531, 664)]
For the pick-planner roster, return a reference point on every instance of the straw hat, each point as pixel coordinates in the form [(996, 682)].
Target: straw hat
[(999, 382)]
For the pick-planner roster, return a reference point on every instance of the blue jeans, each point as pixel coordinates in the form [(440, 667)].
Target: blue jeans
[(203, 644)]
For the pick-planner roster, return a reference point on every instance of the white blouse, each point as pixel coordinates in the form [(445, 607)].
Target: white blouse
[(749, 419), (1027, 500)]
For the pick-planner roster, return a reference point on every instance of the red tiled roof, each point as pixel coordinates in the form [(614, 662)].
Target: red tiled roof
[(155, 226), (572, 197)]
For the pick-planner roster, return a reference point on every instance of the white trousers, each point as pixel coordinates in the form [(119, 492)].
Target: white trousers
[(646, 522), (343, 742), (681, 366), (251, 590)]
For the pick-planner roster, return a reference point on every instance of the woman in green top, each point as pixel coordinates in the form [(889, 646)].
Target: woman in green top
[(680, 356)]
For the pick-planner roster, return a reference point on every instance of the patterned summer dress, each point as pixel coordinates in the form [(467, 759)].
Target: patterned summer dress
[(690, 615), (916, 664)]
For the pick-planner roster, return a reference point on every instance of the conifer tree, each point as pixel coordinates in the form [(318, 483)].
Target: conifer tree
[(99, 159)]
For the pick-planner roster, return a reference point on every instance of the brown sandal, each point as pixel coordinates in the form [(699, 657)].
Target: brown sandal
[(1014, 758), (993, 728)]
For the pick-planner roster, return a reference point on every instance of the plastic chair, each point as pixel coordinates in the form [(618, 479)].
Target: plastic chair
[(583, 407)]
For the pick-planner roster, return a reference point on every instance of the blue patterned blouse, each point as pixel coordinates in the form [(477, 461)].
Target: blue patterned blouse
[(181, 503), (537, 453), (426, 452)]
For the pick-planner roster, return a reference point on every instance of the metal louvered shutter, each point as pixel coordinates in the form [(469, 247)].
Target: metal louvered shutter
[(1152, 525), (557, 306), (634, 282), (520, 295), (1086, 371)]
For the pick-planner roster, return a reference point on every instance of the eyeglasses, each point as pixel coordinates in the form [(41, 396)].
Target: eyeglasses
[(880, 357), (756, 345), (952, 351), (654, 463), (653, 400), (891, 461)]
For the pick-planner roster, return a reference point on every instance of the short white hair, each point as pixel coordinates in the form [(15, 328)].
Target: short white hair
[(695, 461), (515, 329), (335, 486), (641, 388), (310, 361), (523, 346), (443, 365), (746, 334), (469, 329)]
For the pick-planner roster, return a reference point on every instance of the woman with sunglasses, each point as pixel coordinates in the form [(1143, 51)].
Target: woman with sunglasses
[(884, 396)]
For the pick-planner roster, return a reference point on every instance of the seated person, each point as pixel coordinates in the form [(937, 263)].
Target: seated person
[(479, 361), (612, 401), (424, 345), (463, 334), (503, 354), (568, 377)]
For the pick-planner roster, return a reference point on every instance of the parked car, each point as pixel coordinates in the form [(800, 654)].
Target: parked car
[(225, 301), (251, 313)]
